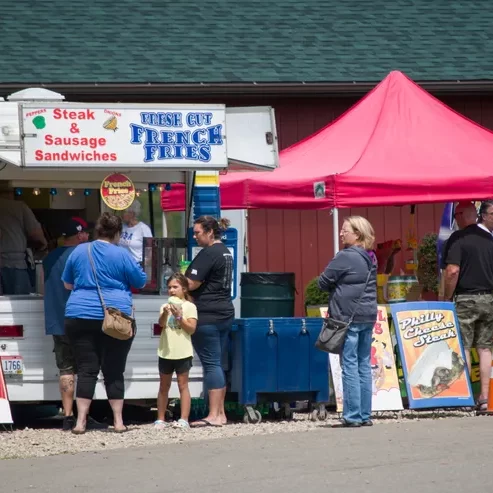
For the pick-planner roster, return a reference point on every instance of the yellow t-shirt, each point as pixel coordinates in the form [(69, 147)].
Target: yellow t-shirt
[(174, 342)]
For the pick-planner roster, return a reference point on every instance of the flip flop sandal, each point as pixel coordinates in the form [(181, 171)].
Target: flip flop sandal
[(122, 430), (203, 423), (77, 432)]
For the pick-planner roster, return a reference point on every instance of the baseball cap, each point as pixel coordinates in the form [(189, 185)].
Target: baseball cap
[(75, 225)]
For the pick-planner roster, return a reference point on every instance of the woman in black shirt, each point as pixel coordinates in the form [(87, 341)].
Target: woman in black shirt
[(210, 278)]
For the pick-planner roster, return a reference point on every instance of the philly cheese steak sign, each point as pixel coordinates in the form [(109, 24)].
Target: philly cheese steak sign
[(432, 354)]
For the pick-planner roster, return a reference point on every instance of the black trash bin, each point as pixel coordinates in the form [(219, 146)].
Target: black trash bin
[(267, 294)]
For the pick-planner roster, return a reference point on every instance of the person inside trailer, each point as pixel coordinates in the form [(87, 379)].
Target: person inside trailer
[(134, 231), (18, 227)]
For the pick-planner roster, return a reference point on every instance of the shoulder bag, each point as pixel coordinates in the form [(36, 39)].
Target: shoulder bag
[(116, 324), (333, 334)]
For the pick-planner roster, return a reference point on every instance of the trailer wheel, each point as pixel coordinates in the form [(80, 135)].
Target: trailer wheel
[(286, 411), (318, 415)]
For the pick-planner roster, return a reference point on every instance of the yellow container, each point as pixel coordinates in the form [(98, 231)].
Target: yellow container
[(381, 283), (313, 311), (398, 288)]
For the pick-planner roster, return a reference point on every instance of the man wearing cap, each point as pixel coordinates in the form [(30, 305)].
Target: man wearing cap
[(75, 232)]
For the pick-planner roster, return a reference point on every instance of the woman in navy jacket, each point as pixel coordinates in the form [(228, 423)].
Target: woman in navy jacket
[(349, 295)]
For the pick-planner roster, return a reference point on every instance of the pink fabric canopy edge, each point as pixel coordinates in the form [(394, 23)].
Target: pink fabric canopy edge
[(397, 145)]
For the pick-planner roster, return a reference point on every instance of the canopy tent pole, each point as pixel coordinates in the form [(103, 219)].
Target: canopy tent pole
[(335, 228)]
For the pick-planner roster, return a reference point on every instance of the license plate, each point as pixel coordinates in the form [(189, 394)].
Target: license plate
[(12, 365)]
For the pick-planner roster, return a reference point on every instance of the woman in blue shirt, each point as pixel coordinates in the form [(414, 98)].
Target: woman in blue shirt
[(117, 272)]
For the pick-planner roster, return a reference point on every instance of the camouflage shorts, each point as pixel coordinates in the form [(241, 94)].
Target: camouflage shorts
[(64, 356), (475, 314)]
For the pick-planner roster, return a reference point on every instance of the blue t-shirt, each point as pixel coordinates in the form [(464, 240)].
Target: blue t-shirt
[(117, 271), (55, 294)]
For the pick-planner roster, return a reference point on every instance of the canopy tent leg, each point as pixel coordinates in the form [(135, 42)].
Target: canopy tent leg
[(335, 228), (189, 186)]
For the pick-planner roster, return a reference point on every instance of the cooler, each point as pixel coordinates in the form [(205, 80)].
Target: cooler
[(275, 360)]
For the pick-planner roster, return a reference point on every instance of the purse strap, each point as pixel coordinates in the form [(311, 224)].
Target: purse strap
[(89, 250), (362, 293)]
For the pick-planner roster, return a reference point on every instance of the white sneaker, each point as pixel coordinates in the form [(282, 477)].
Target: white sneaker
[(182, 423), (160, 425)]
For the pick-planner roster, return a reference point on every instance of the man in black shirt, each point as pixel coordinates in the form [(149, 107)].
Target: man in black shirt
[(465, 214), (469, 279)]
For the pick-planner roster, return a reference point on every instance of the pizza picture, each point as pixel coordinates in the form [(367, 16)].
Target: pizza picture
[(117, 191)]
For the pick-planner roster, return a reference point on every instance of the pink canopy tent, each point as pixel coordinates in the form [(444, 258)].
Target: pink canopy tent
[(398, 145)]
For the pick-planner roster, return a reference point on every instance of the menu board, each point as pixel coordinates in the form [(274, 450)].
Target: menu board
[(433, 358)]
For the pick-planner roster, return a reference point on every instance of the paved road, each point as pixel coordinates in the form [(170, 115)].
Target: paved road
[(447, 455)]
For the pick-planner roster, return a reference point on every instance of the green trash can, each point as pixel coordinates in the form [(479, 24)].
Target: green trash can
[(267, 294)]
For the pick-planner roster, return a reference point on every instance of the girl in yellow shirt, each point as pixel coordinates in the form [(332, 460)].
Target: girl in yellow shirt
[(178, 318)]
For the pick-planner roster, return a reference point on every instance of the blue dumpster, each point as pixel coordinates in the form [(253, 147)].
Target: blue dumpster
[(275, 360)]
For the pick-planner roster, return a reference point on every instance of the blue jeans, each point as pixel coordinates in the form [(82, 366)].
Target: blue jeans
[(211, 344), (356, 373)]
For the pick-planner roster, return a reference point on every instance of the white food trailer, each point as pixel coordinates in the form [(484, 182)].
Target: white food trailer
[(46, 143)]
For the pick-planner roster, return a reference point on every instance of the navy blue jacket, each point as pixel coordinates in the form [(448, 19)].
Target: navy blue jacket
[(344, 279)]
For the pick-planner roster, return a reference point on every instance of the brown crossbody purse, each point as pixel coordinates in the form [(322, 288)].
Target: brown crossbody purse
[(115, 323)]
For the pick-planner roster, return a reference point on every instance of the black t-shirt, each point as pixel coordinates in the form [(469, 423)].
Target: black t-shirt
[(446, 247), (472, 250), (214, 267)]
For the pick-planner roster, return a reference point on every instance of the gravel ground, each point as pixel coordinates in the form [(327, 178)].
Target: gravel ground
[(42, 442)]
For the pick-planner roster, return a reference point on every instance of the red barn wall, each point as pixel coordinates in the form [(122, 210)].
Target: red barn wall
[(301, 241)]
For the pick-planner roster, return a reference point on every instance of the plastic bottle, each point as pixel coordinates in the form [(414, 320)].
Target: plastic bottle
[(167, 273)]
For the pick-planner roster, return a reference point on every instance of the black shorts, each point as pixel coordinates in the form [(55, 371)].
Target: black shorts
[(64, 356), (170, 366)]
